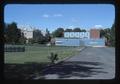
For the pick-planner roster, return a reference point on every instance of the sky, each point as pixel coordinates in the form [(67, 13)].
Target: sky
[(53, 16)]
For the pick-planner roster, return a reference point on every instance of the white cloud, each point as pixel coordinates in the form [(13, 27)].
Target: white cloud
[(57, 15), (46, 15), (98, 26), (54, 15)]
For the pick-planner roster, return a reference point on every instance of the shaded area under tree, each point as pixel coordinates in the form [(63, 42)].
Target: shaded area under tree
[(63, 70)]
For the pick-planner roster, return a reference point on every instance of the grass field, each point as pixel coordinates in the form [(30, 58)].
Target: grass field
[(39, 54)]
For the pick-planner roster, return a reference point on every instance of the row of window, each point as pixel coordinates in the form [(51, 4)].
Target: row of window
[(77, 34)]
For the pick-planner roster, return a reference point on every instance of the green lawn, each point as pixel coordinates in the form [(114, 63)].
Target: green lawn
[(39, 54)]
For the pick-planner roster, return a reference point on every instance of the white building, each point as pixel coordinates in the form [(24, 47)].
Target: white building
[(27, 31), (77, 35)]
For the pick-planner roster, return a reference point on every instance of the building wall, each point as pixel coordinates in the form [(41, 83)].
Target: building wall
[(77, 35), (94, 33), (67, 42), (94, 42), (91, 38), (79, 42), (28, 34)]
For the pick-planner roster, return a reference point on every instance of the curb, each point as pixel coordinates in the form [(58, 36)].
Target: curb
[(69, 57)]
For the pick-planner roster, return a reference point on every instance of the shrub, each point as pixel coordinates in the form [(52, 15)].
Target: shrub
[(53, 57)]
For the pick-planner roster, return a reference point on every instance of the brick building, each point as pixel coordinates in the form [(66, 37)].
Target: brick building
[(94, 33)]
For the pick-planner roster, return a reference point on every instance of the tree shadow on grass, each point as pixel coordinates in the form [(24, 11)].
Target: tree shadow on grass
[(23, 71), (63, 70), (73, 69)]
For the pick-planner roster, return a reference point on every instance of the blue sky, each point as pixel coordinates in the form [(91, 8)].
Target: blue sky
[(52, 16)]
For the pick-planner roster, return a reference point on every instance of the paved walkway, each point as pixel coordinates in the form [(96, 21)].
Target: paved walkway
[(91, 63)]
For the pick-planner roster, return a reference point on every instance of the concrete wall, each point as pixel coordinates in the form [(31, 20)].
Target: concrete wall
[(79, 42), (67, 42), (94, 42)]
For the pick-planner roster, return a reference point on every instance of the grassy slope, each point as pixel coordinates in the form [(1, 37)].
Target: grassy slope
[(38, 54)]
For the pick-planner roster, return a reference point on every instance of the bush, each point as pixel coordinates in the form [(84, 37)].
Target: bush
[(53, 57), (14, 49)]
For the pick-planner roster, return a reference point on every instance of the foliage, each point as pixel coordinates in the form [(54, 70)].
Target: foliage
[(109, 34), (68, 30), (47, 36), (59, 32), (22, 39), (113, 35), (53, 57), (38, 37), (83, 30), (31, 41), (102, 33), (12, 34), (76, 30)]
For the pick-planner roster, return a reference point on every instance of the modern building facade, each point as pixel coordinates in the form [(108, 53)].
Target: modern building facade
[(89, 38)]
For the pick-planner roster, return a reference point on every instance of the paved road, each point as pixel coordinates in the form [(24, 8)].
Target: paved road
[(91, 63)]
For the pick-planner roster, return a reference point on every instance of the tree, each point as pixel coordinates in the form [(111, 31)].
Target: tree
[(102, 33), (83, 30), (76, 30), (47, 36), (22, 39), (59, 32), (106, 33), (113, 35), (5, 33), (68, 30), (37, 36), (107, 30), (12, 33), (31, 40), (109, 34)]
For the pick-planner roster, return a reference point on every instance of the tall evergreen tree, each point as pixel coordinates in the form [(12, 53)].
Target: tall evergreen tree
[(12, 33), (47, 36)]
